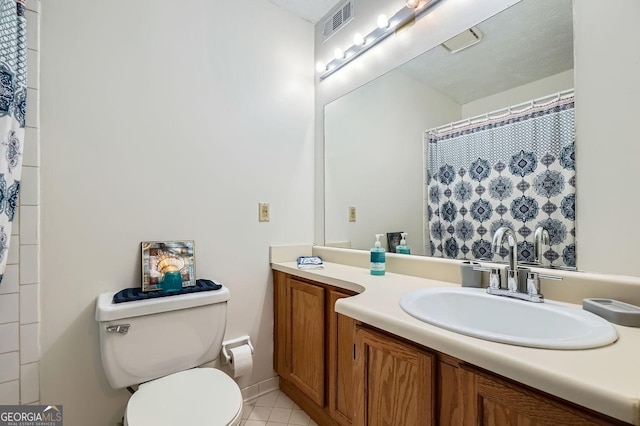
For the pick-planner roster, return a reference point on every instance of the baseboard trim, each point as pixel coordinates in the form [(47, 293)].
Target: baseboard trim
[(253, 392)]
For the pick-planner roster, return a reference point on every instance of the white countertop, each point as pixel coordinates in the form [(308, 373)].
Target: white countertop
[(605, 379)]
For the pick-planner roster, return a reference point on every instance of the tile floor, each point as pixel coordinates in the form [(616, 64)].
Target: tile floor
[(274, 409)]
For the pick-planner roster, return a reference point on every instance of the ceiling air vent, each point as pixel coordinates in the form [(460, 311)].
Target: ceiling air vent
[(463, 40), (338, 19)]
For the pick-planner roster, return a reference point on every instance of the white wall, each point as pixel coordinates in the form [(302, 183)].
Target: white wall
[(160, 121), (19, 316), (386, 135), (607, 149), (526, 92)]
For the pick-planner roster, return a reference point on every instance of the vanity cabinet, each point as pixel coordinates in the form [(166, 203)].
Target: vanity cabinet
[(449, 391), (492, 400), (394, 382), (401, 383), (343, 372), (304, 338), (314, 348), (342, 335)]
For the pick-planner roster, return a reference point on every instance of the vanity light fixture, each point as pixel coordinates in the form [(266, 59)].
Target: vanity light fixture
[(383, 22), (385, 27), (358, 39)]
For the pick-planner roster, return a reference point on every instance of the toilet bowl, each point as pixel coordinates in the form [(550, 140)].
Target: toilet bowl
[(200, 396), (159, 344)]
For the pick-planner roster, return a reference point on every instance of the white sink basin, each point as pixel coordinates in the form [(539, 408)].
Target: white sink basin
[(473, 312)]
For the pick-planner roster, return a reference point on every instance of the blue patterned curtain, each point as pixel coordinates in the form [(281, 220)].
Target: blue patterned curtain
[(516, 171), (13, 101)]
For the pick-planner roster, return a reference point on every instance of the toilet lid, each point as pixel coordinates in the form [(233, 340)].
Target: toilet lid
[(200, 396)]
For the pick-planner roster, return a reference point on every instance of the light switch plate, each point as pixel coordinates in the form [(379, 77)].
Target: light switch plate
[(352, 214)]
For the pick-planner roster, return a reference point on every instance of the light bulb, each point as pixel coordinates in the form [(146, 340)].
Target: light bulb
[(338, 54), (358, 39), (413, 4), (320, 67), (383, 21)]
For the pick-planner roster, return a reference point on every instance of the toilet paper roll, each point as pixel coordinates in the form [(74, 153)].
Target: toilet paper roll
[(241, 360)]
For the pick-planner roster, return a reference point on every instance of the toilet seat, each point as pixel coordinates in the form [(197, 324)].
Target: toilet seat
[(200, 396)]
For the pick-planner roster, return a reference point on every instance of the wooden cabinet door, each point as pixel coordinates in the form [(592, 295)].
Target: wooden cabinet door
[(449, 392), (279, 323), (305, 337), (394, 381), (342, 335), (491, 400)]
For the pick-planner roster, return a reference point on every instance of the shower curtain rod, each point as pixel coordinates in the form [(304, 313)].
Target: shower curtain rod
[(504, 111)]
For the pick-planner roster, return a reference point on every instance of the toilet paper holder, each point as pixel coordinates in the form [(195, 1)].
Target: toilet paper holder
[(233, 343)]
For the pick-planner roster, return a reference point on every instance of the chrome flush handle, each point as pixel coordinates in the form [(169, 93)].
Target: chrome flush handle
[(118, 328)]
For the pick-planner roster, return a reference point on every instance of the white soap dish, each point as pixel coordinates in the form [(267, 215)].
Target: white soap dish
[(614, 311)]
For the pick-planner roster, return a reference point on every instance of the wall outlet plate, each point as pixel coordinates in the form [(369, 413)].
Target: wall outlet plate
[(263, 212)]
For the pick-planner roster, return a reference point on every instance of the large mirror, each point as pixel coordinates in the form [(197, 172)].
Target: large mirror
[(374, 157)]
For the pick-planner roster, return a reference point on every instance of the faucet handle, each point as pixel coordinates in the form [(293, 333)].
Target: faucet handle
[(494, 275), (495, 280), (512, 280), (533, 281), (549, 277)]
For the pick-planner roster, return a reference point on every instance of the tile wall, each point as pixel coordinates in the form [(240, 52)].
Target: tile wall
[(20, 288)]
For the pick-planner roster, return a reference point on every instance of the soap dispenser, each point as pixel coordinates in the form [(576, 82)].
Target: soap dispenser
[(377, 257), (403, 248)]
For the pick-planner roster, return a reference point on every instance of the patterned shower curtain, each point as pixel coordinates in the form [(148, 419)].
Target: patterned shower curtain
[(13, 101), (516, 171)]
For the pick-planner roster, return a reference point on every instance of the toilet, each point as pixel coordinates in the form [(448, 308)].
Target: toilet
[(158, 344)]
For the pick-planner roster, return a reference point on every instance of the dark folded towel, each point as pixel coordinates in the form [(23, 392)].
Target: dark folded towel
[(131, 294)]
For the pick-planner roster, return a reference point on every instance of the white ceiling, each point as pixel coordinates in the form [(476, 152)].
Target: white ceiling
[(527, 42), (309, 10)]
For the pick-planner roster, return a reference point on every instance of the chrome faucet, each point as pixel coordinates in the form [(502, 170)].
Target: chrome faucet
[(532, 294), (541, 236), (498, 239)]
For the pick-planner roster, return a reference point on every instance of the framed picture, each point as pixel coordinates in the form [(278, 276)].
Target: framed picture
[(393, 240), (160, 257)]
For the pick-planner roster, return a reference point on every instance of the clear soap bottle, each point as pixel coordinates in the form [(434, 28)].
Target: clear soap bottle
[(377, 257), (403, 248)]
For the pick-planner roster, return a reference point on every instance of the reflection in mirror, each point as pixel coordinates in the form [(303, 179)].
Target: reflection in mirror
[(374, 155), (512, 170)]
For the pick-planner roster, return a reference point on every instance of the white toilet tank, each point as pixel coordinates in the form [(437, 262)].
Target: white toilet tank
[(146, 339)]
